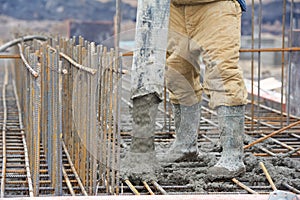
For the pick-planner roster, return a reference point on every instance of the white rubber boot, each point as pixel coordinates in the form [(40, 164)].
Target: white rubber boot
[(185, 147), (140, 162), (231, 127)]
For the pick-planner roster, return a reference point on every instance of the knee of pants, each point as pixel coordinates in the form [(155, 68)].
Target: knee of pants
[(183, 82)]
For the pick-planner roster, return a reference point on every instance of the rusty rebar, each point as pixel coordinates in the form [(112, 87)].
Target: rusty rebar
[(291, 188), (10, 56), (283, 81), (132, 188), (252, 50), (69, 185), (293, 150), (245, 187), (73, 169), (148, 188), (261, 164), (27, 166), (31, 70), (272, 134), (22, 39), (4, 133), (159, 188)]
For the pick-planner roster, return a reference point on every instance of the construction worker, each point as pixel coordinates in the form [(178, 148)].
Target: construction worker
[(210, 29), (206, 29)]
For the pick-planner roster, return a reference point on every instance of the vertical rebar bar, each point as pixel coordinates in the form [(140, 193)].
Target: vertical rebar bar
[(104, 120), (118, 23), (49, 71), (59, 166), (93, 120), (28, 174), (118, 120), (288, 95), (252, 64), (110, 121), (282, 62), (82, 120), (3, 176), (259, 62)]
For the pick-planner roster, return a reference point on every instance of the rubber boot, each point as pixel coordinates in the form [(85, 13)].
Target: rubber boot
[(185, 147), (140, 162), (231, 127)]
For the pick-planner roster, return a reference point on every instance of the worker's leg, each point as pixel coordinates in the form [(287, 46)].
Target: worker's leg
[(147, 82), (140, 161), (217, 29), (183, 82)]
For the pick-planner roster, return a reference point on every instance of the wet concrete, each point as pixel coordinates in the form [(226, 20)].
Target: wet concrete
[(194, 174)]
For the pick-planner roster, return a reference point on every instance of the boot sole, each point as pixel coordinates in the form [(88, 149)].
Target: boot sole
[(217, 173), (187, 157)]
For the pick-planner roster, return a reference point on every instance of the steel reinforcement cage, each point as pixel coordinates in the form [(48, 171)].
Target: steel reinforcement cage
[(69, 95)]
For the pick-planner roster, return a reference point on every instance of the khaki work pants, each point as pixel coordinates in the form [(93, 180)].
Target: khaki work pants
[(210, 31)]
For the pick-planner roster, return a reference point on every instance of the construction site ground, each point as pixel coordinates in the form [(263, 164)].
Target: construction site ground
[(279, 154)]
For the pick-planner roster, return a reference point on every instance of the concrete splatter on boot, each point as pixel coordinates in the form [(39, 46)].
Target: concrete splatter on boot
[(231, 127), (185, 147), (140, 162)]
